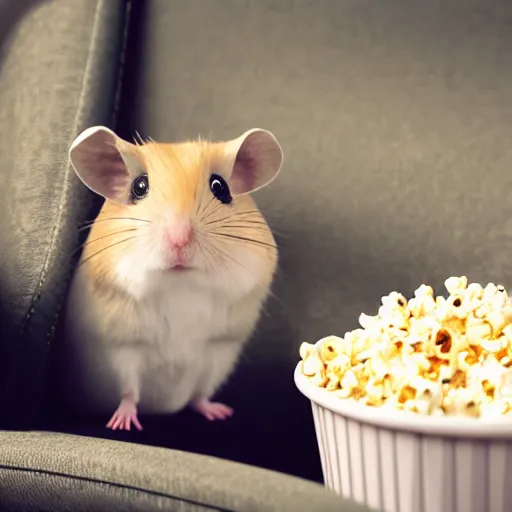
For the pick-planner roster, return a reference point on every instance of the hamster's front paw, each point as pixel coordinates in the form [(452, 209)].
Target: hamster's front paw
[(125, 415), (211, 410)]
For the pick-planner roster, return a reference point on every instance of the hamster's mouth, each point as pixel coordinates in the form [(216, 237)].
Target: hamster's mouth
[(180, 268)]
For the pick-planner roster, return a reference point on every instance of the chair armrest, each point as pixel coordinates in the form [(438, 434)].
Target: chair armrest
[(50, 471)]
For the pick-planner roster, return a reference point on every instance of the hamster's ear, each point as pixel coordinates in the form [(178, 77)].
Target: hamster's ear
[(255, 158), (105, 163)]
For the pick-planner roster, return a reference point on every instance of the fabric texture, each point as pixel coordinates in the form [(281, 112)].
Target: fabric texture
[(395, 121), (59, 63), (46, 471)]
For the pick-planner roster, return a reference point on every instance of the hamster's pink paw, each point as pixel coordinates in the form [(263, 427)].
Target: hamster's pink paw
[(211, 410), (125, 415)]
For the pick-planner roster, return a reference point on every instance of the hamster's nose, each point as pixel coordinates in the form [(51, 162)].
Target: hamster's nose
[(180, 234)]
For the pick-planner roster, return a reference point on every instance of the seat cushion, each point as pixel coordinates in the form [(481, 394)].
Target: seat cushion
[(47, 471), (59, 63)]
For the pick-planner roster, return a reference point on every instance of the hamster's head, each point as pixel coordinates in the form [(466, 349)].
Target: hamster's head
[(180, 210)]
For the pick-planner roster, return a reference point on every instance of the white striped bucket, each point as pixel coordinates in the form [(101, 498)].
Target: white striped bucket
[(394, 461)]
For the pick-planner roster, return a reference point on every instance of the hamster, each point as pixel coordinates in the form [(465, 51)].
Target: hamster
[(174, 273)]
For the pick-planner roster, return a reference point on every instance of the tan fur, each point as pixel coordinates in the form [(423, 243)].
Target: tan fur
[(177, 174), (132, 322)]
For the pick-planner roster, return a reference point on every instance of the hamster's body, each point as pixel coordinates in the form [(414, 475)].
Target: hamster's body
[(157, 313), (184, 333)]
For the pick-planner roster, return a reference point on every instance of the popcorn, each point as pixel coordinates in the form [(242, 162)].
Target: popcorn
[(367, 321), (312, 365), (490, 292), (431, 355), (394, 311), (306, 349), (477, 330), (423, 302), (332, 347), (498, 320), (507, 333), (444, 343), (456, 285), (474, 291)]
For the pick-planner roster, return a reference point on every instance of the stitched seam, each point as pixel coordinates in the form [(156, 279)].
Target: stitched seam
[(116, 485), (122, 61), (51, 332), (67, 177)]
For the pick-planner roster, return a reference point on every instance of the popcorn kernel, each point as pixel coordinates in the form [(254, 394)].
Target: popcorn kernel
[(431, 355)]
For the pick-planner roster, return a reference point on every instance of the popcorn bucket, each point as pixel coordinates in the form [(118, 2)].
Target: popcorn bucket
[(395, 461)]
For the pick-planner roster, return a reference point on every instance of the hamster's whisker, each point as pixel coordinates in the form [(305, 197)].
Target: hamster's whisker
[(240, 227), (271, 293), (232, 216), (244, 224), (88, 242), (139, 141), (92, 222), (105, 248), (229, 256), (256, 222), (217, 207), (222, 254), (218, 262), (248, 224), (248, 212), (245, 239), (210, 255), (204, 253), (201, 211)]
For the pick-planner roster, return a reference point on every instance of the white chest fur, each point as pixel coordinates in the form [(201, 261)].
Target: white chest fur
[(185, 329), (179, 338)]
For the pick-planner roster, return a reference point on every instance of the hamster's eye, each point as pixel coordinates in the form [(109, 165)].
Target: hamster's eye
[(140, 187), (220, 189)]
